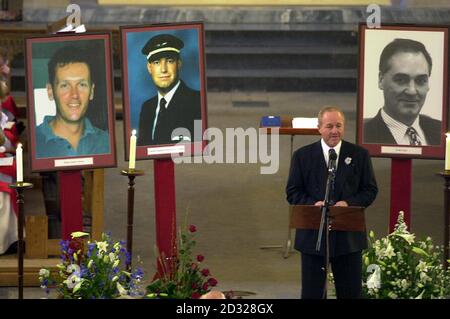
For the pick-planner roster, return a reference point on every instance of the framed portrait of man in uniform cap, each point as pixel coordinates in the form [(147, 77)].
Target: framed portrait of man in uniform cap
[(70, 102), (164, 89), (403, 91)]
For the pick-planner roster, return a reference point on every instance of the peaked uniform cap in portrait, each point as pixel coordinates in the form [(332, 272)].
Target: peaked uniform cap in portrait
[(162, 45)]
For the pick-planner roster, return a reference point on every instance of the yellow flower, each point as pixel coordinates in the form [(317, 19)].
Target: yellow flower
[(102, 246), (78, 234)]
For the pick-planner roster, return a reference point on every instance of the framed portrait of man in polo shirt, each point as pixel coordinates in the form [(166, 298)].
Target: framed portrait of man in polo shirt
[(403, 91), (70, 102), (164, 89)]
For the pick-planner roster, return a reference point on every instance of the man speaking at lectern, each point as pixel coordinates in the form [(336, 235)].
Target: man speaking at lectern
[(354, 185)]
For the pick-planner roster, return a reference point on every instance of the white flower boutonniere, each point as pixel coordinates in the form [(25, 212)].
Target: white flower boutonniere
[(348, 160)]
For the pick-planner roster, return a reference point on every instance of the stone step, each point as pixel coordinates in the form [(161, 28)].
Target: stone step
[(286, 73), (293, 50)]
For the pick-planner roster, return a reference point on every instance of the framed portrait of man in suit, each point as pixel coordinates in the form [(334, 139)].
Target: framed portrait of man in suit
[(70, 102), (403, 90), (164, 89)]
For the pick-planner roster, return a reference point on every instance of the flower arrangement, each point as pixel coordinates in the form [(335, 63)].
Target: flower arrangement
[(93, 271), (182, 277), (398, 266)]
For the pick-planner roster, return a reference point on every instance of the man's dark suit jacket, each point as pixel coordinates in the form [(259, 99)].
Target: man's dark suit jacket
[(183, 109), (354, 183), (376, 130)]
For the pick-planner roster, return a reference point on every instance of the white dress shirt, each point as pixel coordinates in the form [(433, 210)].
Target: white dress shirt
[(166, 97), (326, 149), (398, 130)]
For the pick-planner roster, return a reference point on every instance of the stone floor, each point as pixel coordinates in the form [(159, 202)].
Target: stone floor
[(237, 210)]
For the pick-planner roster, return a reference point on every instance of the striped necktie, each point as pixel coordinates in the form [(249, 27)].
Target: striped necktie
[(413, 138)]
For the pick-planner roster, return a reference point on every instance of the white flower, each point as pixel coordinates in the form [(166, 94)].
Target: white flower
[(348, 160), (72, 281), (389, 252), (73, 269), (422, 266), (424, 277), (404, 284), (44, 273), (408, 237)]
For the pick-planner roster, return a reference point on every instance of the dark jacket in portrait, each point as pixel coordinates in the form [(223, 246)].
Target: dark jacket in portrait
[(376, 131), (183, 109), (354, 183)]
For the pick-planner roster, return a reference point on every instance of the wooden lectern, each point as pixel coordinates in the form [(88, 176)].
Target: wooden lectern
[(341, 218), (308, 217)]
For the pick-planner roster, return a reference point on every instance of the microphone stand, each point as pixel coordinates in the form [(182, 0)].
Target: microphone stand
[(324, 221)]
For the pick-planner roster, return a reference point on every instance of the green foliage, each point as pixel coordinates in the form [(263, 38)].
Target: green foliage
[(182, 277), (398, 266)]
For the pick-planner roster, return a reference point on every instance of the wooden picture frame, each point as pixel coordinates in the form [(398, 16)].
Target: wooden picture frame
[(70, 118), (181, 134), (396, 93)]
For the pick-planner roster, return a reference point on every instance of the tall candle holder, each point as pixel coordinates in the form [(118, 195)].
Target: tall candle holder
[(446, 176), (131, 173), (20, 187)]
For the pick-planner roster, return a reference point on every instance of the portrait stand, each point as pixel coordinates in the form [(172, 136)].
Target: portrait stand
[(401, 189), (20, 187), (165, 211), (446, 176), (287, 129), (71, 202), (131, 173), (141, 45), (382, 47), (309, 217), (70, 181)]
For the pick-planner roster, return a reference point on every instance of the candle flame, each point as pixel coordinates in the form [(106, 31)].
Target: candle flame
[(19, 145), (133, 132), (447, 134)]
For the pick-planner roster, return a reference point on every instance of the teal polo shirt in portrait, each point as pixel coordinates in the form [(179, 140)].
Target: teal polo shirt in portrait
[(94, 141)]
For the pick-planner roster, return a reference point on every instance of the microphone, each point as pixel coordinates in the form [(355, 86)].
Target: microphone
[(332, 156)]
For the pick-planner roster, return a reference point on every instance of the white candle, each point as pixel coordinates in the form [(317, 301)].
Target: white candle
[(447, 152), (132, 162), (19, 163)]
